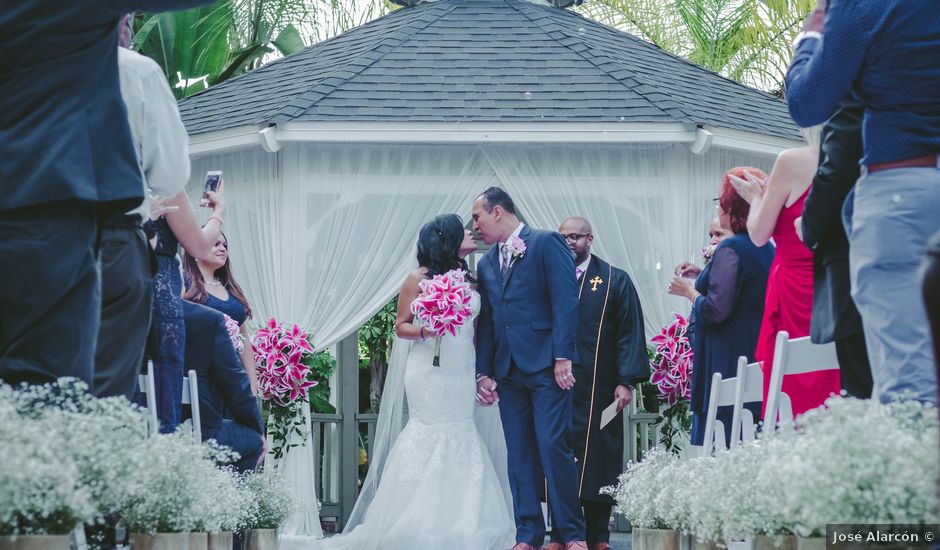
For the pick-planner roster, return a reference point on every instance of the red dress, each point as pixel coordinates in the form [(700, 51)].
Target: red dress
[(789, 306)]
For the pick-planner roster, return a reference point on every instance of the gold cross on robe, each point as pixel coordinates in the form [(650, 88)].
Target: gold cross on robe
[(594, 282)]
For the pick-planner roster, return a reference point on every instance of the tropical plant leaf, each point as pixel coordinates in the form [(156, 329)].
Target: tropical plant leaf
[(745, 40), (288, 41), (241, 60), (321, 405)]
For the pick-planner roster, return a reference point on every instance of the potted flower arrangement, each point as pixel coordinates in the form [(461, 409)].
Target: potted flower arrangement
[(175, 492), (220, 512), (283, 381), (842, 465), (270, 502), (638, 496), (671, 363), (42, 497)]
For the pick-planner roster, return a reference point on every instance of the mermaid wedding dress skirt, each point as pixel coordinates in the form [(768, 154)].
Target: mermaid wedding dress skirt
[(440, 487)]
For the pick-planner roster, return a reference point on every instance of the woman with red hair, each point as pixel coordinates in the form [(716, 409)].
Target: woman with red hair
[(728, 299), (776, 203)]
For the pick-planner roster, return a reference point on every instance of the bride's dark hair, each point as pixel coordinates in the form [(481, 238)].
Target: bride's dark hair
[(439, 245)]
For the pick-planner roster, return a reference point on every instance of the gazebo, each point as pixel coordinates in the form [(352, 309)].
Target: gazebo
[(333, 157)]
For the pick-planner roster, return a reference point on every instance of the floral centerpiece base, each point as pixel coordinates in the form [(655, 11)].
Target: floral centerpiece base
[(34, 542), (221, 541), (199, 541), (655, 539), (766, 542), (160, 541), (811, 543), (260, 539)]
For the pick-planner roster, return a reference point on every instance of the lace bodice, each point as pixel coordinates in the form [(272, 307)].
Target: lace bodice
[(444, 393)]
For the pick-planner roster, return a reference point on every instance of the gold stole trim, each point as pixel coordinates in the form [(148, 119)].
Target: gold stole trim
[(597, 345)]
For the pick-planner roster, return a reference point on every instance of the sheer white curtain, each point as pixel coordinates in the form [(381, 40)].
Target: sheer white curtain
[(324, 234), (649, 205)]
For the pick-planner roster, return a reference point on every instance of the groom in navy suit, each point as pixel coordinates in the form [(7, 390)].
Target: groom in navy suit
[(525, 350)]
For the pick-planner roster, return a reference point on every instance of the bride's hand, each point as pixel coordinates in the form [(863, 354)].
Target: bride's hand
[(486, 391)]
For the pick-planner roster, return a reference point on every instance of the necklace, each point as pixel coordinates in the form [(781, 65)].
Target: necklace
[(214, 282)]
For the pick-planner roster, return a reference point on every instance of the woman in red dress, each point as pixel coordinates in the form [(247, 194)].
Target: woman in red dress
[(776, 206)]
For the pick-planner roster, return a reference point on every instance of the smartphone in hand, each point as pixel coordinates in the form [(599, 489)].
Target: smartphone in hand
[(213, 179)]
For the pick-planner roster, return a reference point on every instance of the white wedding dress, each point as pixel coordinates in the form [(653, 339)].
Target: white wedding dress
[(439, 487)]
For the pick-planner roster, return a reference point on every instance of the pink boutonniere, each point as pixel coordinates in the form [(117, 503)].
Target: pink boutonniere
[(516, 247)]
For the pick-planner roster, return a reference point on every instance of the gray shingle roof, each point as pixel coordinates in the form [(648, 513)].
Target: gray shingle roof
[(485, 61)]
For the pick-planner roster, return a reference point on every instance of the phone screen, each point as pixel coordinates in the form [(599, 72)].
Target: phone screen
[(212, 184)]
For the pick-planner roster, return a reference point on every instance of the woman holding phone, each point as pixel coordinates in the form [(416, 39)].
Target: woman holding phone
[(209, 281)]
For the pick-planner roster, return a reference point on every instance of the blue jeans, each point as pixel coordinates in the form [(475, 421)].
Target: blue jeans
[(889, 217), (244, 441)]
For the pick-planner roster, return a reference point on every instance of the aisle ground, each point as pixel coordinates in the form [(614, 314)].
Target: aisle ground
[(618, 541)]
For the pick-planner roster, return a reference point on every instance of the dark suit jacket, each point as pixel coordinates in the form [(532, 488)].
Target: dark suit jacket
[(222, 379), (531, 317), (834, 313), (63, 126)]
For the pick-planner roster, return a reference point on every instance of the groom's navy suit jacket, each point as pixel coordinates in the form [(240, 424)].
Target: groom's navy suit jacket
[(531, 316)]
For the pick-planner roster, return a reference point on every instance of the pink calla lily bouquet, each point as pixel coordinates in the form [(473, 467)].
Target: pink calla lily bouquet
[(672, 365), (283, 378), (443, 305), (671, 360)]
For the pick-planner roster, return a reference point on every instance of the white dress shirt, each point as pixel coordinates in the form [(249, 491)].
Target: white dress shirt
[(159, 136), (514, 234)]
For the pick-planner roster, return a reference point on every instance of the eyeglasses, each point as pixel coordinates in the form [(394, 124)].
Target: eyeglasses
[(575, 237)]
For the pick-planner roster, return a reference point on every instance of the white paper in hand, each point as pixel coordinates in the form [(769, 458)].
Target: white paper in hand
[(609, 414)]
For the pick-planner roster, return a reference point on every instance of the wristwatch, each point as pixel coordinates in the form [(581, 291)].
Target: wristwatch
[(805, 35)]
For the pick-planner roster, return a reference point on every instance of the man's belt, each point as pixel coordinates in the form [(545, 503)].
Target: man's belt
[(926, 161)]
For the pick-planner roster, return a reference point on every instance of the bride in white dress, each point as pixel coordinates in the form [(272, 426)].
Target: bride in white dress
[(433, 484)]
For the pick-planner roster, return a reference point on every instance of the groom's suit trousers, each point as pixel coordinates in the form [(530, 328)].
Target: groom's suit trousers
[(536, 414)]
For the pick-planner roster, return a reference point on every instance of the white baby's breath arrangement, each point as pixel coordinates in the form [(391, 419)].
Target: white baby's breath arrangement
[(41, 492), (175, 485), (636, 493), (271, 500), (224, 504), (859, 461), (70, 458)]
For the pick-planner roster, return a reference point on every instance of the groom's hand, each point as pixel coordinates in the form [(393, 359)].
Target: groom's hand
[(486, 390), (563, 376)]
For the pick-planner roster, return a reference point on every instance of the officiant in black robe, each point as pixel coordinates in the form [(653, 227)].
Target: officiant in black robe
[(612, 350)]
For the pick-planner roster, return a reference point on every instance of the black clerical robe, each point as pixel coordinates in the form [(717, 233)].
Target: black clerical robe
[(612, 350)]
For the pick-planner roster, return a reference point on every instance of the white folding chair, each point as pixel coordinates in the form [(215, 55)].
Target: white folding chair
[(721, 394), (748, 389), (146, 384), (797, 356), (190, 397)]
